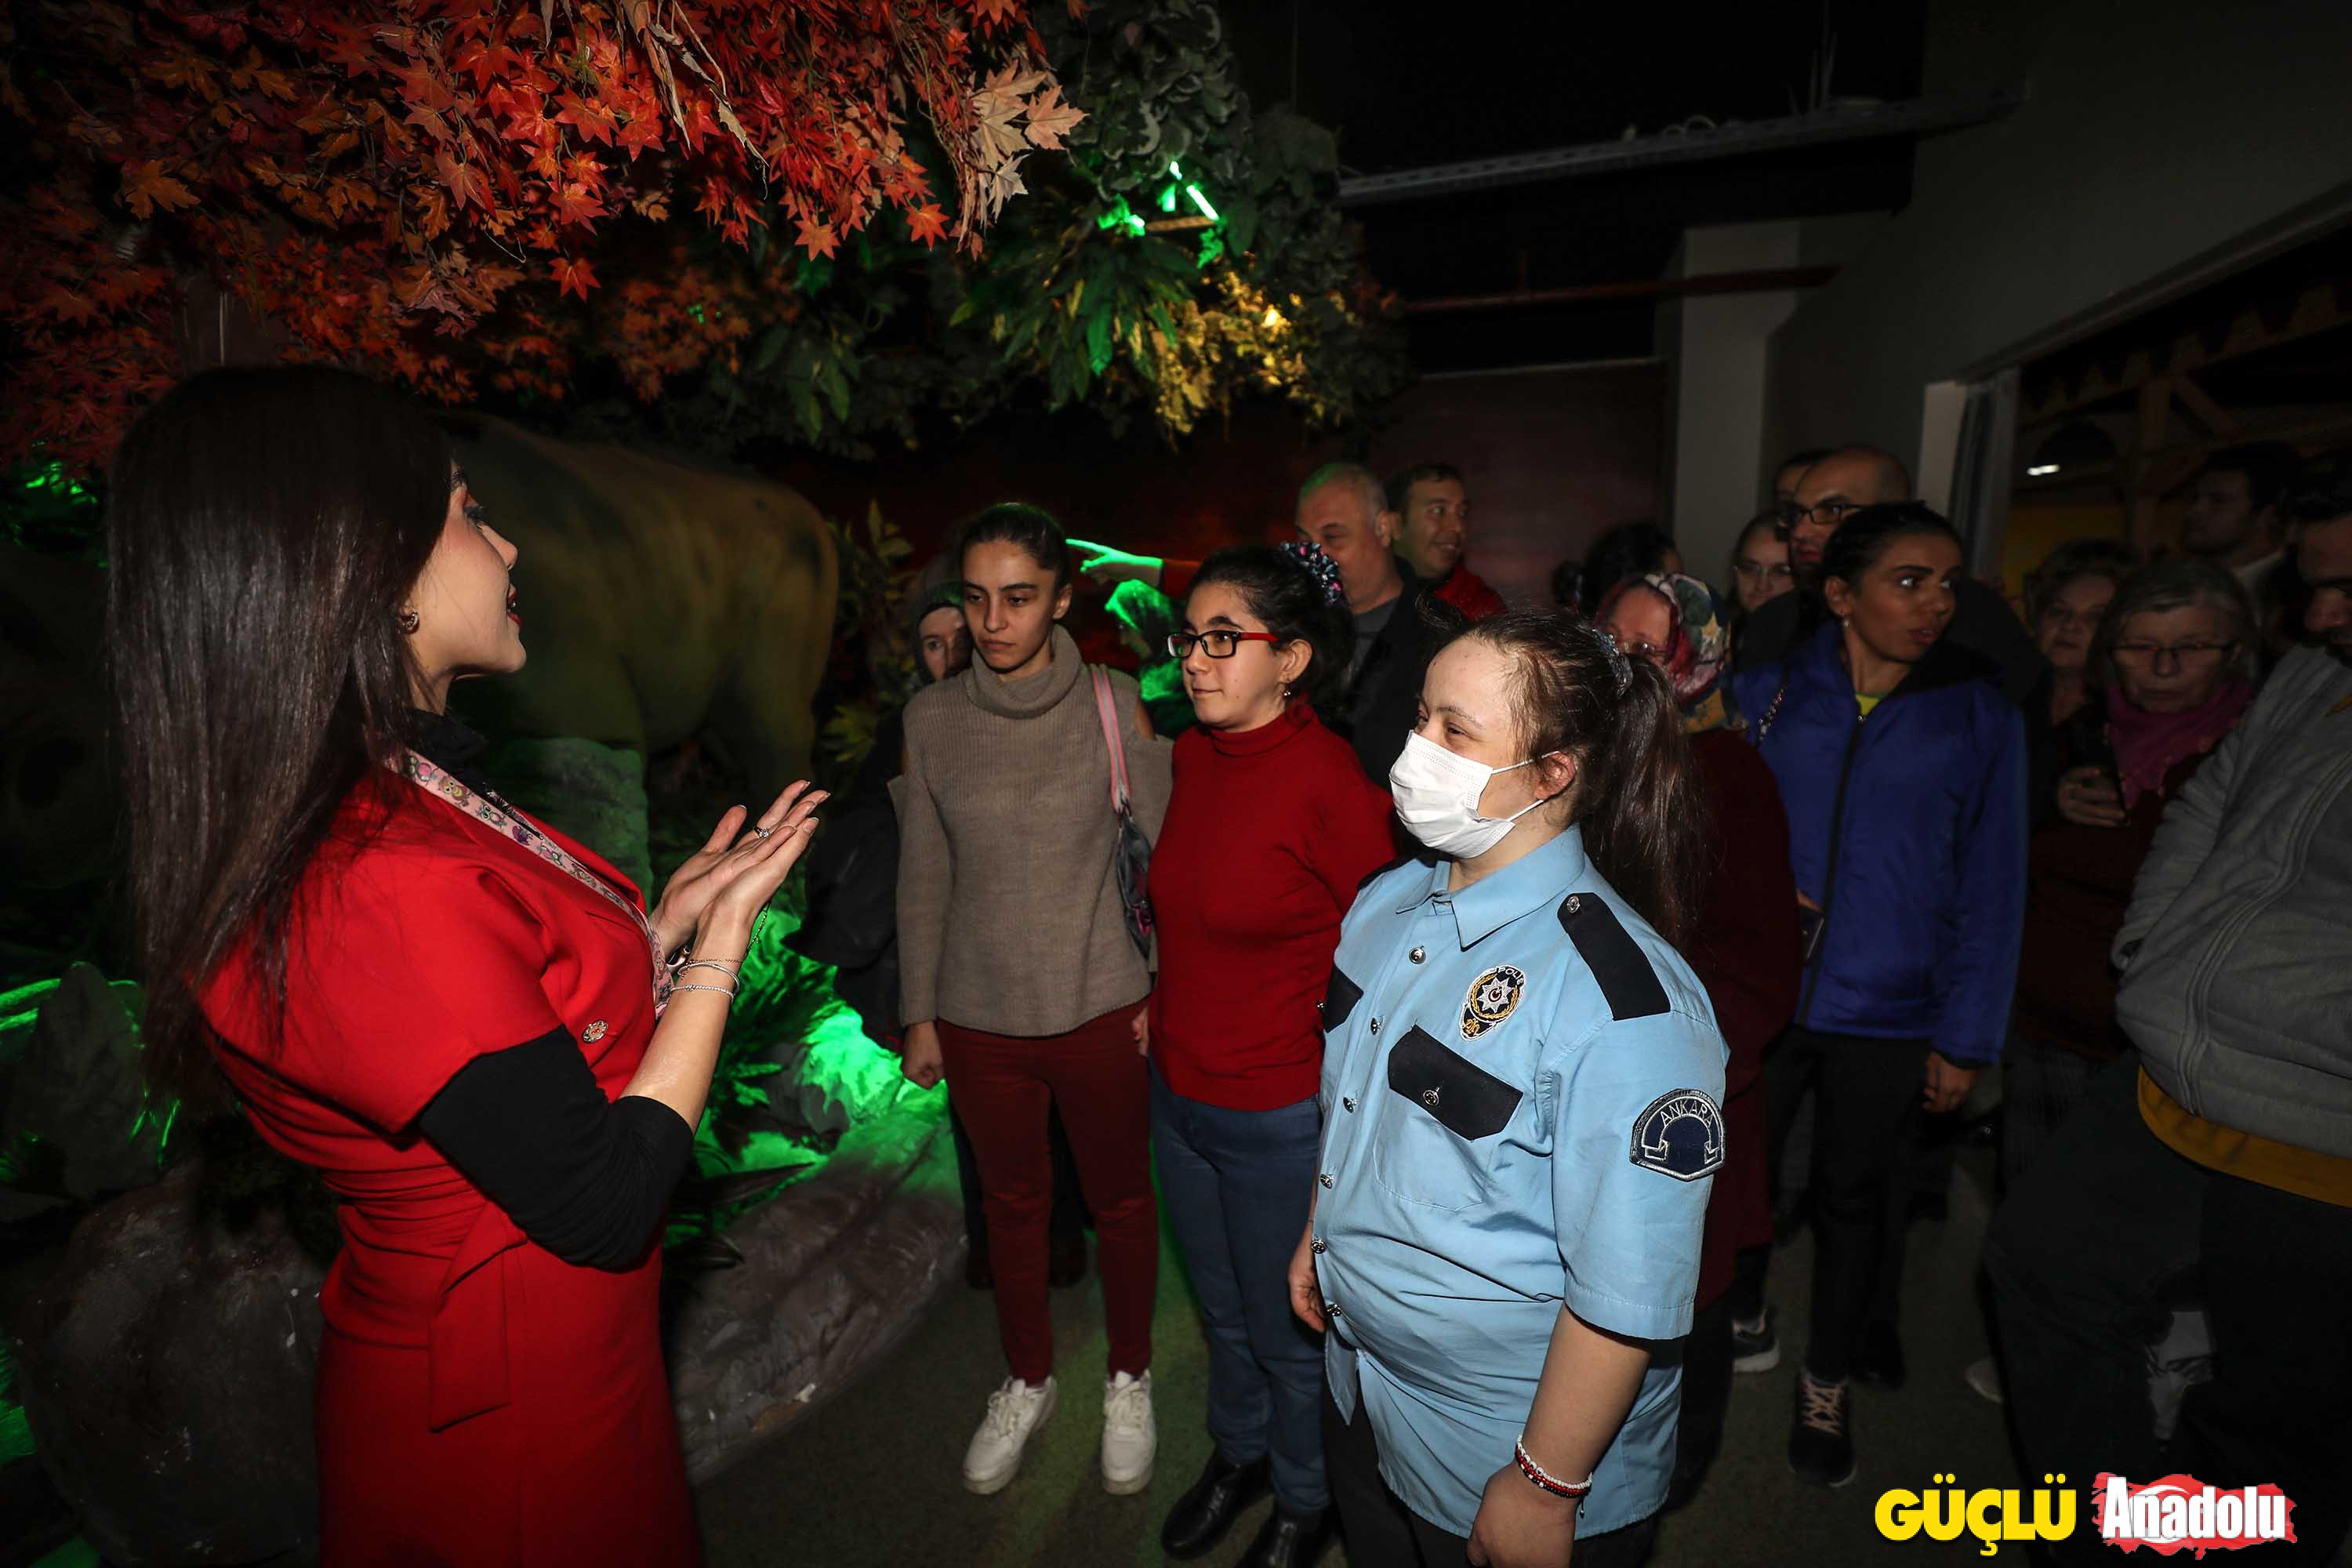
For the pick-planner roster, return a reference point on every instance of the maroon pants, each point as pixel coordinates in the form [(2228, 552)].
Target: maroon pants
[(1003, 1085)]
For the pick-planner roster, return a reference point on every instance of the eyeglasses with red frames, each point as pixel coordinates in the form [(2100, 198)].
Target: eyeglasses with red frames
[(1216, 644)]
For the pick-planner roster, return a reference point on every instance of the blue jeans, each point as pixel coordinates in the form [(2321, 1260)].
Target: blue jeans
[(1235, 1185)]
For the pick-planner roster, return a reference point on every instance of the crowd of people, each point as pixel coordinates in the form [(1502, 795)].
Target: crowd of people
[(1454, 978)]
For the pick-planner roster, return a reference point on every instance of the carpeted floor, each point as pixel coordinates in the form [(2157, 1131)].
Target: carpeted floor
[(871, 1476)]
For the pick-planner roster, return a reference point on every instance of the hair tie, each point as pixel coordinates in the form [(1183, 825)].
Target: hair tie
[(1318, 564), (1619, 666)]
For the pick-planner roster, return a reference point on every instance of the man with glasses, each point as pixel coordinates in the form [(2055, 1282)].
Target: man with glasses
[(2215, 1167), (1841, 484)]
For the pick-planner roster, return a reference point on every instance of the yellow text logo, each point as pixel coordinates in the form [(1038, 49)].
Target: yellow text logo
[(1991, 1514)]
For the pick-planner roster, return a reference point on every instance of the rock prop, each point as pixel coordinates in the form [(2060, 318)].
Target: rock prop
[(594, 792), (166, 1369), (78, 1124), (833, 1270)]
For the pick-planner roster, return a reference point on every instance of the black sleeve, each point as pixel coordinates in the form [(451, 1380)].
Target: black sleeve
[(587, 1178)]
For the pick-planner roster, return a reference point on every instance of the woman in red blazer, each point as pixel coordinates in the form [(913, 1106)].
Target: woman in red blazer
[(453, 1013)]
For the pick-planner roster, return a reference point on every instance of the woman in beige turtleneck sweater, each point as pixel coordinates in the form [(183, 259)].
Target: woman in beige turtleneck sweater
[(1019, 980)]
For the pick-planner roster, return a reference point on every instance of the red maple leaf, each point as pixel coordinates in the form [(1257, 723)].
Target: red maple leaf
[(593, 120), (575, 276), (816, 238), (928, 223)]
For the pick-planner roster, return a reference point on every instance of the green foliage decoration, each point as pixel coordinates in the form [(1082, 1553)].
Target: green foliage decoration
[(1107, 286)]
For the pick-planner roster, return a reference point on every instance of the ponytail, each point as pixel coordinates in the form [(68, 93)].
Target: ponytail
[(1637, 795)]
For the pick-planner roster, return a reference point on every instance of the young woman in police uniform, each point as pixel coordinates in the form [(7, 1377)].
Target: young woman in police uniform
[(1521, 1091)]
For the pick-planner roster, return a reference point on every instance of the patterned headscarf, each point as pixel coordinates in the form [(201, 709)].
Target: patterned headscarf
[(1697, 644)]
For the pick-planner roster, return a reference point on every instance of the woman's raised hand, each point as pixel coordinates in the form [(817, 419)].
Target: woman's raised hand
[(738, 879), (699, 878)]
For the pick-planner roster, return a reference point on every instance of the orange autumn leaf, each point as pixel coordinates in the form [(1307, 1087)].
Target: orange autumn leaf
[(816, 238), (574, 276), (145, 187), (928, 223)]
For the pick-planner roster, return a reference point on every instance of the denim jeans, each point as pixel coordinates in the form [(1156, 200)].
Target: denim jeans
[(1236, 1186)]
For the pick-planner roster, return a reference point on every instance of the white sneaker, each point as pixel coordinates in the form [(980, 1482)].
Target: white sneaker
[(1130, 1436), (1014, 1411)]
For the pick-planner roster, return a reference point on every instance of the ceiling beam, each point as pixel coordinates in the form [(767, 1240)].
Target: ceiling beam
[(2316, 310), (1754, 282), (1914, 117)]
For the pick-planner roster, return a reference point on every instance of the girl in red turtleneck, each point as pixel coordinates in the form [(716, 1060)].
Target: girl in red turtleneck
[(1271, 826)]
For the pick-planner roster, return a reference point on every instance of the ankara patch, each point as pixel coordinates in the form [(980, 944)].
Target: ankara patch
[(1680, 1135), (1494, 997)]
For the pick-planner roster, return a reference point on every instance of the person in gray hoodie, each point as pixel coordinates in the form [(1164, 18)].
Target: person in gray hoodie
[(2215, 1169)]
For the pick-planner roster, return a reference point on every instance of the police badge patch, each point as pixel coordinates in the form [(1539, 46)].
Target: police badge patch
[(1494, 997), (1681, 1134)]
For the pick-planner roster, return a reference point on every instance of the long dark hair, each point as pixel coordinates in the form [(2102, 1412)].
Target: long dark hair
[(263, 529), (1636, 795), (1290, 601)]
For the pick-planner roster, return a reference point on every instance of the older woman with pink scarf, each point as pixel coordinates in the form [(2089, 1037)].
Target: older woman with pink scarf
[(1745, 951), (2169, 668)]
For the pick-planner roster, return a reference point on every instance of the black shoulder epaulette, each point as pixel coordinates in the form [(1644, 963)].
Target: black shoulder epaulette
[(1377, 872), (1615, 958)]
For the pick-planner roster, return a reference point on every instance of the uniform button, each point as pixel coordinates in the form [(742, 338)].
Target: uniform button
[(1348, 1102), (1320, 1245), (1376, 1026), (1325, 1178), (1429, 1097), (1575, 902), (1331, 1309), (1417, 954)]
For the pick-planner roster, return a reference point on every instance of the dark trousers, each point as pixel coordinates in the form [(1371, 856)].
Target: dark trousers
[(1381, 1532), (1005, 1084), (1236, 1186), (2101, 1238), (1866, 1094), (1706, 1392), (1068, 1222)]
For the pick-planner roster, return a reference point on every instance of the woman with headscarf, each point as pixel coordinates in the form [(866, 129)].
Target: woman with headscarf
[(1745, 949)]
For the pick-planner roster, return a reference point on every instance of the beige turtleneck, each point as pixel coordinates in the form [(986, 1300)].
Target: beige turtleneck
[(1008, 906)]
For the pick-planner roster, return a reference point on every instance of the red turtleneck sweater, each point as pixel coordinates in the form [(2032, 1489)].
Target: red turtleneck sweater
[(1269, 833)]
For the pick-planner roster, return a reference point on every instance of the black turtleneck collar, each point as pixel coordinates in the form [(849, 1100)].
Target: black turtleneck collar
[(450, 746)]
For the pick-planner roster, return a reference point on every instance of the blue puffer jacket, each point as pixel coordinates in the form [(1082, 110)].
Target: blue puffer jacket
[(1909, 830)]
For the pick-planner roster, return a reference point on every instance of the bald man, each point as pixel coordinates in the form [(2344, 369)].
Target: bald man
[(1841, 483)]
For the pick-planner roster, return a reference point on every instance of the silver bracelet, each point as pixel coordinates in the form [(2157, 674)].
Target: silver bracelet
[(722, 990), (734, 969)]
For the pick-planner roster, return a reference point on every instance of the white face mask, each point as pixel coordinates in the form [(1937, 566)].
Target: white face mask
[(1437, 793)]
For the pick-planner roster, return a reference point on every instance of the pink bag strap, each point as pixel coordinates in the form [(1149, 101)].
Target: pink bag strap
[(1107, 709)]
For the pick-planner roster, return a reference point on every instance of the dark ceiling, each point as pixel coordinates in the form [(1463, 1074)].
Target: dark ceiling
[(1404, 93)]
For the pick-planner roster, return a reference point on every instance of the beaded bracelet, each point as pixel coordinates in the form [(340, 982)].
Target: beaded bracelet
[(1544, 1478)]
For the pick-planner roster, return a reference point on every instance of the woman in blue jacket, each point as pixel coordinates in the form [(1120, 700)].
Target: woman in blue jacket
[(1903, 768)]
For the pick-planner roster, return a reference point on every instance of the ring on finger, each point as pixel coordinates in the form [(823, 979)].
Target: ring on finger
[(764, 831)]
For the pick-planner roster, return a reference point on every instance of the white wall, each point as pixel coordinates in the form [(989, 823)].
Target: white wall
[(2160, 139), (1713, 346), (1716, 347)]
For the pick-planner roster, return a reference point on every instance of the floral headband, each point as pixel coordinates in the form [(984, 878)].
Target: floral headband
[(1316, 563)]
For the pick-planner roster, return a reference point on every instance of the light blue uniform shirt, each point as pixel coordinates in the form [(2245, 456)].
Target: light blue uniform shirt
[(1520, 1095)]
